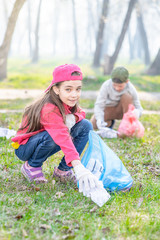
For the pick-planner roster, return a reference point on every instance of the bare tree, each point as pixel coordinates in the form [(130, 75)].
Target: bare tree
[(99, 41), (75, 30), (4, 49), (5, 11), (109, 61), (35, 57), (143, 34), (29, 27), (91, 27), (154, 69), (56, 15), (131, 51)]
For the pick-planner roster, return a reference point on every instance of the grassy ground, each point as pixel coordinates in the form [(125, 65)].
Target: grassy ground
[(22, 74), (59, 211), (18, 104)]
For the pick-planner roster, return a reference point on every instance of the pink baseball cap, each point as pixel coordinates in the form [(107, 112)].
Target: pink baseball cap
[(64, 73)]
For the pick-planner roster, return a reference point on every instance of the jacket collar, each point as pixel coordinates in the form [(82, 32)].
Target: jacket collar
[(67, 108)]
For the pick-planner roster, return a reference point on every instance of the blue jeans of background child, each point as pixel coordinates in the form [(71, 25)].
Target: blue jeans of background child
[(41, 146)]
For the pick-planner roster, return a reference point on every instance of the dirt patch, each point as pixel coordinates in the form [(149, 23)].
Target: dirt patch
[(35, 93)]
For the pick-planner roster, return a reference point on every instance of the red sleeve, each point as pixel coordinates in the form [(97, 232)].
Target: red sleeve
[(80, 114), (52, 121)]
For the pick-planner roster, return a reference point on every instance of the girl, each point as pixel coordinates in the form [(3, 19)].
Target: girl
[(54, 123)]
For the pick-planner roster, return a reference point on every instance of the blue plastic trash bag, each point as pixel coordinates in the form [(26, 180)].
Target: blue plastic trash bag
[(106, 165)]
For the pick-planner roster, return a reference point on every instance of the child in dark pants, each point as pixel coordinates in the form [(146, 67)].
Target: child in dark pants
[(53, 123)]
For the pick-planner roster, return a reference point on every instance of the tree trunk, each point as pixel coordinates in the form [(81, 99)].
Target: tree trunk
[(29, 28), (35, 57), (143, 36), (110, 61), (131, 51), (75, 30), (154, 69), (4, 49), (5, 11), (138, 44), (56, 15), (100, 35)]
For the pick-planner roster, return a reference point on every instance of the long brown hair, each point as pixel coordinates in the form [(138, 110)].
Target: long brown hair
[(32, 113)]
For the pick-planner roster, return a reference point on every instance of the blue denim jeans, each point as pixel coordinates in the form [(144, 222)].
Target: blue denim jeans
[(41, 146)]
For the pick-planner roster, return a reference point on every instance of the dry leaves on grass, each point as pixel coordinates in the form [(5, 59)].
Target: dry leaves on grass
[(24, 233), (154, 170), (56, 212), (59, 195), (19, 216), (140, 201), (45, 226)]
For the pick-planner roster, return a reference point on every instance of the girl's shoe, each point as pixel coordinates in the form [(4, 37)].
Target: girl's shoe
[(64, 176), (33, 173)]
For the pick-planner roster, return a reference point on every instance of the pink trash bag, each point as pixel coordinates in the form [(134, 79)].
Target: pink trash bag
[(130, 126)]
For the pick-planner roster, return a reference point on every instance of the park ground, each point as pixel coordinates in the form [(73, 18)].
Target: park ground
[(59, 211)]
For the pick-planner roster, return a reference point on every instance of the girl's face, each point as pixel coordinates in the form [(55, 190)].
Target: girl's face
[(119, 86), (69, 92)]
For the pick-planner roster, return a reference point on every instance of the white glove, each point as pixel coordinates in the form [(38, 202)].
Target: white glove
[(137, 113), (87, 180), (107, 133), (101, 124), (70, 121)]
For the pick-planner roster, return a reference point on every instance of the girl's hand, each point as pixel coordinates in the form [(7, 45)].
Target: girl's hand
[(87, 181)]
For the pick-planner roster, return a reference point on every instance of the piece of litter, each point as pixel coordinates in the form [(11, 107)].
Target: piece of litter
[(5, 132)]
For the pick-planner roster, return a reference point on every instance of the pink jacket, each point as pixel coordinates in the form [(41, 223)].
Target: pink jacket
[(52, 122)]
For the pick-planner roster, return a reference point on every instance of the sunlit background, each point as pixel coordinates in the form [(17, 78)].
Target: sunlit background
[(57, 34)]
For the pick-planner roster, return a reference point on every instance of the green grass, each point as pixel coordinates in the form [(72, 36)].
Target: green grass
[(27, 212), (15, 104), (20, 104), (23, 74), (151, 105)]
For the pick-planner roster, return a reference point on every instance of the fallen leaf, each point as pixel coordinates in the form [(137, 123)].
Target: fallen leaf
[(140, 201), (68, 236), (140, 186), (154, 170), (22, 188), (149, 196), (56, 212), (59, 195), (106, 230), (67, 230), (45, 226), (94, 209), (24, 233), (34, 187), (19, 216), (53, 182)]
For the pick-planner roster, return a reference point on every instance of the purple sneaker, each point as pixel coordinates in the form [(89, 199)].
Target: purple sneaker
[(33, 173), (64, 176)]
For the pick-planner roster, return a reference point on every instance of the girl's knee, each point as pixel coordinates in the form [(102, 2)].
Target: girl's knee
[(48, 141), (87, 124)]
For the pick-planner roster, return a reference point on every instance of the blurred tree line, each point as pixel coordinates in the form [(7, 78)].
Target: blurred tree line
[(100, 25)]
